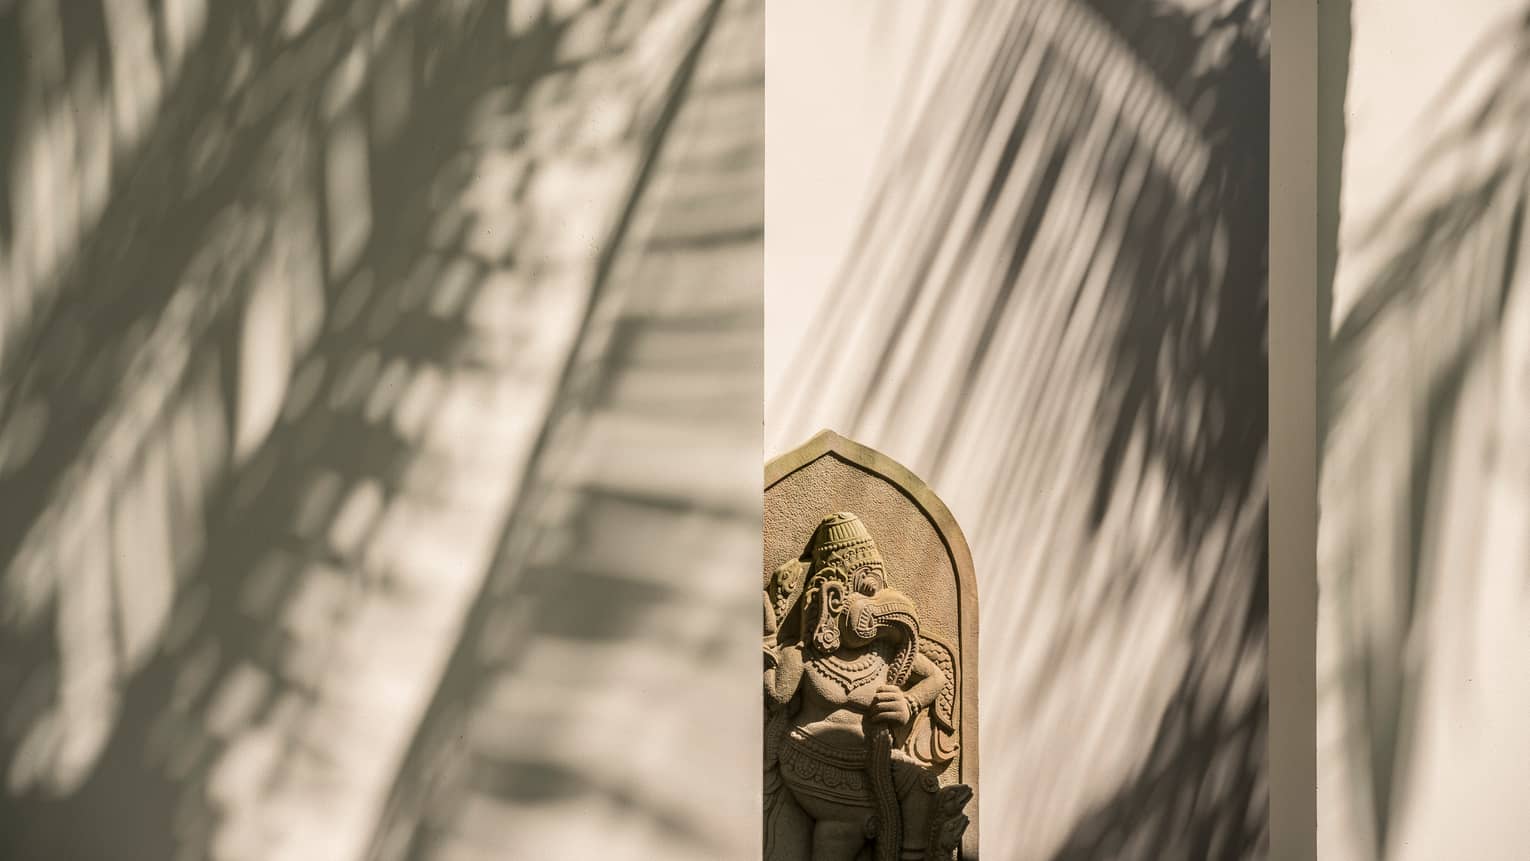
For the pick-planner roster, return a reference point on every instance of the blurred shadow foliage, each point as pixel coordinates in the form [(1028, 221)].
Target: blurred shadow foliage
[(1439, 264), (286, 291)]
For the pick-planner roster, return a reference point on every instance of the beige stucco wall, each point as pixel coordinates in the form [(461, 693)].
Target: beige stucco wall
[(1423, 676)]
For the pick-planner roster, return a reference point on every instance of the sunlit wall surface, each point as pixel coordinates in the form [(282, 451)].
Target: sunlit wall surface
[(1050, 303), (379, 403), (1424, 542)]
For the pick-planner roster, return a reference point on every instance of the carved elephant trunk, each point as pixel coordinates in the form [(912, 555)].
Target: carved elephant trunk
[(887, 610)]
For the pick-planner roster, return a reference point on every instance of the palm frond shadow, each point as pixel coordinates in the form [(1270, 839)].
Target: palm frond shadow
[(255, 540), (1422, 320), (584, 574), (977, 333), (184, 627)]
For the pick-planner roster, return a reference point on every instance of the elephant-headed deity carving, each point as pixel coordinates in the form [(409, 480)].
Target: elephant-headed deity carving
[(860, 710)]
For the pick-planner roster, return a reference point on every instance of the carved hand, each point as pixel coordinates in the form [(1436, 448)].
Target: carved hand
[(891, 705), (783, 673)]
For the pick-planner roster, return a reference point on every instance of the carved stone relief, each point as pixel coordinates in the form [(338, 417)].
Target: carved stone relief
[(870, 662)]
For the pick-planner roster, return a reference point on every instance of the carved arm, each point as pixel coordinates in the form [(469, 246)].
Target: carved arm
[(931, 681)]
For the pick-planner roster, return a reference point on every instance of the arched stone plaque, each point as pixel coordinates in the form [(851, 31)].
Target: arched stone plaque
[(870, 655)]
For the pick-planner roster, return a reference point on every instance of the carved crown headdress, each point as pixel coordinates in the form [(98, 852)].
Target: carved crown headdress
[(842, 539)]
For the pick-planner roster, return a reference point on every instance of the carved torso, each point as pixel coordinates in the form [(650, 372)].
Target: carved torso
[(836, 693), (839, 680)]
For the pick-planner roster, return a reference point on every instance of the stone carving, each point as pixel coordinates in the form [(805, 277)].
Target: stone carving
[(869, 663)]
